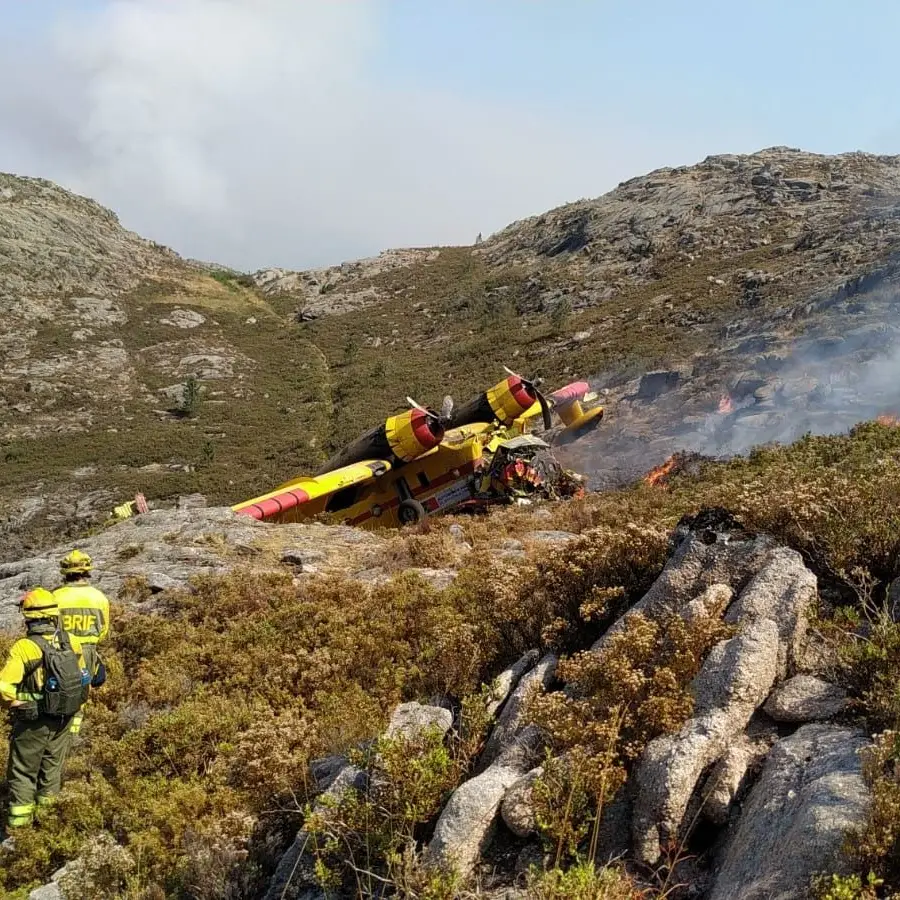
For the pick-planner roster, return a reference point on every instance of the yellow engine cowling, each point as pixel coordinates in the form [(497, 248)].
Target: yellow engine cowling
[(509, 399), (412, 433)]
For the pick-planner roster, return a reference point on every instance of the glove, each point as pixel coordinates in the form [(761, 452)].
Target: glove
[(99, 678)]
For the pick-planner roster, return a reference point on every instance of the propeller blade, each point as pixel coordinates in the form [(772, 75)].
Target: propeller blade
[(447, 407), (545, 410), (509, 371), (417, 406)]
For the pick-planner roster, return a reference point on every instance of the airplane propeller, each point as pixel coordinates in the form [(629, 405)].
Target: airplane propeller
[(442, 418), (533, 385)]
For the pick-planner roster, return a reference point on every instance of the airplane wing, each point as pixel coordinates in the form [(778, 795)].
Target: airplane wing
[(302, 490)]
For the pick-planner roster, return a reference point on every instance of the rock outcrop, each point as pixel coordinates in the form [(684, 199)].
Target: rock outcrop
[(729, 776), (770, 613), (518, 804), (805, 698), (734, 681), (166, 548), (705, 559), (810, 793), (510, 721), (779, 805), (469, 819)]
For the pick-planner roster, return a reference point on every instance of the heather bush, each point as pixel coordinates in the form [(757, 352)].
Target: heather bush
[(632, 690), (367, 838), (846, 887), (583, 881), (194, 756), (215, 706)]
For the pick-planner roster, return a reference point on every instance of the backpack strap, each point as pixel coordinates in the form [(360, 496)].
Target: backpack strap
[(33, 665), (63, 638)]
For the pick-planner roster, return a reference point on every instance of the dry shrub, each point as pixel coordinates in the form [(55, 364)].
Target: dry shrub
[(876, 846), (368, 838), (104, 871), (214, 708), (583, 881), (429, 548), (634, 689), (847, 887), (577, 582), (869, 657), (836, 499), (519, 604)]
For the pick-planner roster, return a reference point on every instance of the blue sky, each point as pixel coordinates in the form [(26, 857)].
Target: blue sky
[(818, 74), (298, 133)]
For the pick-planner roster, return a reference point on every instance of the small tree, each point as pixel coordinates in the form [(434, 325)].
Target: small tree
[(190, 398), (560, 315)]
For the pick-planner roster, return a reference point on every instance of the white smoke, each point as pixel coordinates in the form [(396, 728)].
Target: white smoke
[(257, 132), (823, 387), (841, 370)]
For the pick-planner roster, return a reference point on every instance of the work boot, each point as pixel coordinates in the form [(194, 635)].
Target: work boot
[(19, 816), (43, 806)]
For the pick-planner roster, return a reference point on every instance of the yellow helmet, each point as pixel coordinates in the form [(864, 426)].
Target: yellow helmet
[(75, 563), (39, 603)]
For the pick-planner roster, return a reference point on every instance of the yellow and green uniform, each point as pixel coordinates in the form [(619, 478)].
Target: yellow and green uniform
[(84, 613), (38, 743)]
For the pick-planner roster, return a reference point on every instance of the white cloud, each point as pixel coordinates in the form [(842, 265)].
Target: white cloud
[(251, 132)]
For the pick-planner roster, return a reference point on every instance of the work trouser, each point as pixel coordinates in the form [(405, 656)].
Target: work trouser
[(37, 754)]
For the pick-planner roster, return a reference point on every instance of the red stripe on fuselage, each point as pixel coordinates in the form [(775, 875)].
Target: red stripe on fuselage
[(265, 509)]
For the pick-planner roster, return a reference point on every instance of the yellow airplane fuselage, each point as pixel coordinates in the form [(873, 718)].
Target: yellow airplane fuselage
[(438, 479), (410, 458)]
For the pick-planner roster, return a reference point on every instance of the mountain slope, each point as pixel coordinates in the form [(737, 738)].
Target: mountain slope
[(100, 331), (749, 276), (754, 277)]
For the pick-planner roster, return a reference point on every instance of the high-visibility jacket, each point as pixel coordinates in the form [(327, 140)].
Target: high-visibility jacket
[(22, 675), (83, 611)]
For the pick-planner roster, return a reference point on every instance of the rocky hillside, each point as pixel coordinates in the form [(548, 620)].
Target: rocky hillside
[(100, 333), (758, 291), (715, 306), (683, 688), (635, 695)]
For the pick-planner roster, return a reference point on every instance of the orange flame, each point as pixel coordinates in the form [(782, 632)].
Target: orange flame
[(891, 421), (725, 405), (657, 476)]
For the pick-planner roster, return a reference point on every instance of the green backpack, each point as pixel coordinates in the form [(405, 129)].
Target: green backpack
[(66, 683)]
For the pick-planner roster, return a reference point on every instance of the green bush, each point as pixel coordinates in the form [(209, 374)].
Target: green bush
[(583, 881)]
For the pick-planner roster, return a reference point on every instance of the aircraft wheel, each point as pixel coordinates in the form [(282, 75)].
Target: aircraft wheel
[(410, 511)]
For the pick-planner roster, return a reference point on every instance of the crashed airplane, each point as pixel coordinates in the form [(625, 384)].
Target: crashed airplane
[(494, 449)]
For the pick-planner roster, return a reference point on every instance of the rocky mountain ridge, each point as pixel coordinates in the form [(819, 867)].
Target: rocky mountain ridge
[(714, 306), (767, 283)]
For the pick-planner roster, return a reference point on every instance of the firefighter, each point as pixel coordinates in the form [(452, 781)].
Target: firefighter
[(40, 735), (84, 611)]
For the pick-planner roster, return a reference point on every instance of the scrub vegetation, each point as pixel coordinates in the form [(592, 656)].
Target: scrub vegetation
[(194, 759)]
